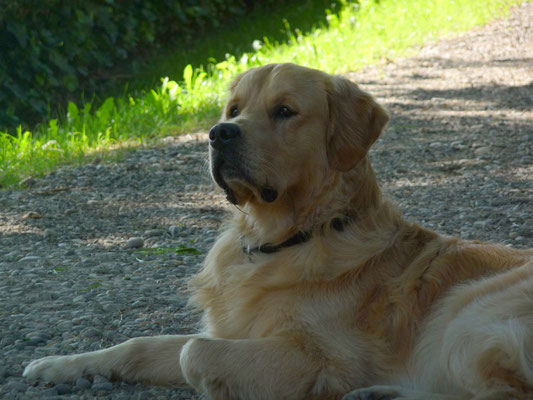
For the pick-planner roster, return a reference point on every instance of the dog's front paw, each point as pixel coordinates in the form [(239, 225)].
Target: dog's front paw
[(199, 364), (374, 393), (57, 369)]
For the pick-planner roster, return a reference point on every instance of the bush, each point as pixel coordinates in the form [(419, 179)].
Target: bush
[(54, 51)]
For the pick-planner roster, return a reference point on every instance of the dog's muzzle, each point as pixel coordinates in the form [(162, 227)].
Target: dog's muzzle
[(228, 161), (223, 142)]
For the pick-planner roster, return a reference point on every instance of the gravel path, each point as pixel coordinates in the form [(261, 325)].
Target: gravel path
[(93, 255)]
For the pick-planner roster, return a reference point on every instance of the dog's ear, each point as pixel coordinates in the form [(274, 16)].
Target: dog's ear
[(356, 121)]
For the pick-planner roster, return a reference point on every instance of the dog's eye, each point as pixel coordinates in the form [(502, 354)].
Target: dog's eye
[(284, 112), (234, 111)]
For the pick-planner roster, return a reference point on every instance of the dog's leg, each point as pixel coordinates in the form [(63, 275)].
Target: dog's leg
[(398, 393), (152, 360), (480, 344), (259, 369), (395, 393), (487, 346)]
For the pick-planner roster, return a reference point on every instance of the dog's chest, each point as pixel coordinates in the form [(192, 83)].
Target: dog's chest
[(259, 310), (241, 312)]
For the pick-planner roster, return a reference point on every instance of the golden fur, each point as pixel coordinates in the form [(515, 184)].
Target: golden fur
[(381, 302)]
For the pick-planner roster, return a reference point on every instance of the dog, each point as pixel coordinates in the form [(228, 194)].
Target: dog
[(317, 287)]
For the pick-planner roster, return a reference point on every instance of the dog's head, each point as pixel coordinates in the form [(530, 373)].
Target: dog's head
[(287, 129)]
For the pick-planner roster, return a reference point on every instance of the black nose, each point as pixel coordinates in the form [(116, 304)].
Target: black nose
[(224, 134)]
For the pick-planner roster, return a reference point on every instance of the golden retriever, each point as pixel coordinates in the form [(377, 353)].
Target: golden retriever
[(318, 288)]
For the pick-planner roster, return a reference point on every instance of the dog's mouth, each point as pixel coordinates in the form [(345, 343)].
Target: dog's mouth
[(217, 173), (236, 180)]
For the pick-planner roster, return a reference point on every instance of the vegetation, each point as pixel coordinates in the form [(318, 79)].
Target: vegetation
[(53, 49), (355, 35)]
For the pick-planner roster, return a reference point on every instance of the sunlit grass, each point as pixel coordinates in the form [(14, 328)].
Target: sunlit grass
[(360, 34)]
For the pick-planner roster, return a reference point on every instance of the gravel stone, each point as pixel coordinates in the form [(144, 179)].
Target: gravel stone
[(63, 388), (102, 386), (90, 332), (49, 233), (83, 383), (174, 230), (18, 386), (32, 215), (34, 392), (134, 243), (154, 232), (50, 392), (86, 290), (34, 341), (482, 151), (100, 379), (29, 259)]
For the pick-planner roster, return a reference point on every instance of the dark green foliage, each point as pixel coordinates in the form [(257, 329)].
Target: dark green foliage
[(52, 51)]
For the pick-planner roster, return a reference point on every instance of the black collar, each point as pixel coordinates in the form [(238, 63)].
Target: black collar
[(300, 237)]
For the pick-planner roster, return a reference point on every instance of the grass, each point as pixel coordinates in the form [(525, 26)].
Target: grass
[(233, 39), (181, 249), (357, 34)]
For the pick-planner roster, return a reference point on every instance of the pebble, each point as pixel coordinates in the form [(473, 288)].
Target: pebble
[(144, 395), (154, 232), (134, 243), (29, 259), (457, 144), (34, 341), (90, 332), (105, 386), (33, 392), (64, 325), (175, 230), (100, 379), (63, 388), (32, 215), (112, 307), (482, 224), (482, 151), (50, 392), (49, 233), (18, 386), (83, 383), (29, 181)]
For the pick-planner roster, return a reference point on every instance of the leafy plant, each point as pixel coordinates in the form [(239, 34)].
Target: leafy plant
[(52, 49)]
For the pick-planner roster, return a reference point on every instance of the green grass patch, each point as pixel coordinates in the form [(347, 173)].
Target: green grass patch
[(180, 249), (358, 34)]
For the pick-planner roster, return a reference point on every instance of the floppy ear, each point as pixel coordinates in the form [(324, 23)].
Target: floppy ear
[(356, 121)]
